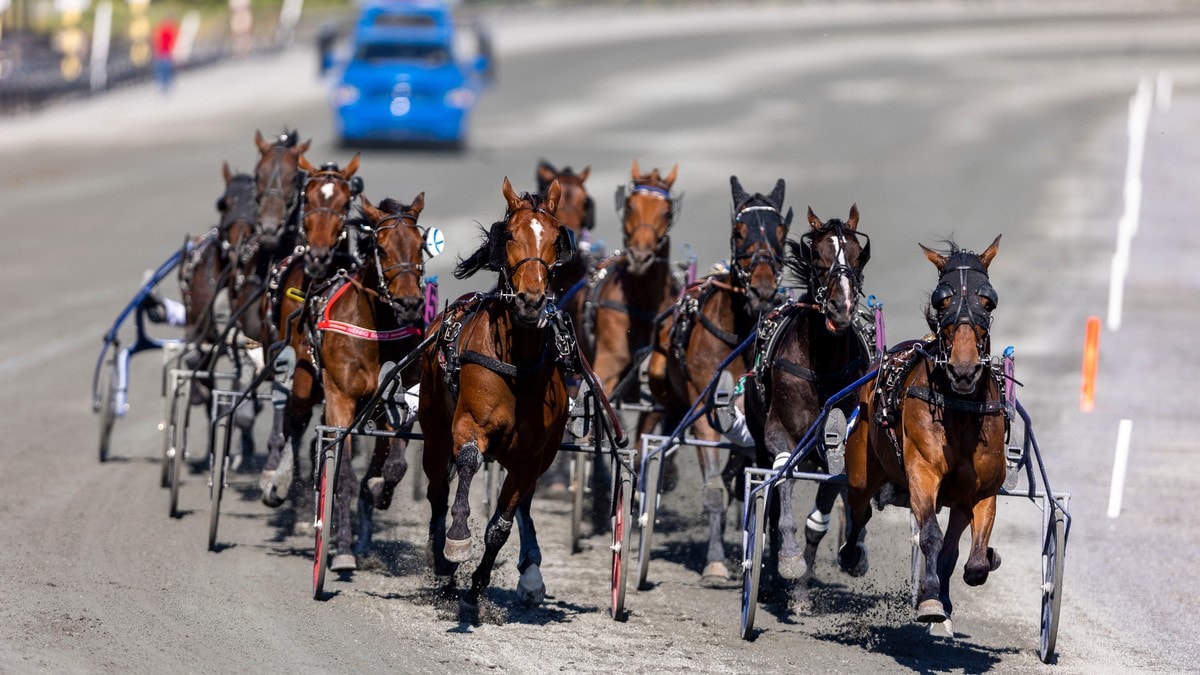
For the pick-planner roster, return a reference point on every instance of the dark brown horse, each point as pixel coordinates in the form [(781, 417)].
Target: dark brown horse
[(366, 320), (493, 387), (577, 211), (935, 431), (809, 351), (326, 198), (709, 321)]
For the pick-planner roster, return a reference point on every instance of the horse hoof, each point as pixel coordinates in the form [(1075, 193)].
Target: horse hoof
[(670, 476), (270, 496), (531, 590), (792, 566), (931, 611), (715, 574), (993, 559), (343, 562), (468, 612), (381, 492), (457, 550), (304, 528), (856, 566), (944, 629)]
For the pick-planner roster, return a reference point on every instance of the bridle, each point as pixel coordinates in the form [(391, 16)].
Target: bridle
[(962, 279), (415, 269), (247, 246), (766, 249), (564, 250), (327, 175), (822, 279), (276, 188)]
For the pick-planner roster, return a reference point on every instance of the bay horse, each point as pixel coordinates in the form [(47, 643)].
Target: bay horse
[(809, 350), (708, 322), (368, 319), (327, 195), (493, 387), (936, 421), (577, 211)]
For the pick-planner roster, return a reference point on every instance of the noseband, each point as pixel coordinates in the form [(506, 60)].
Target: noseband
[(507, 293)]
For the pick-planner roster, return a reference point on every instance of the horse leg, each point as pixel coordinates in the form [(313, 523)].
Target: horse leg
[(388, 467), (923, 489), (817, 523), (274, 491), (865, 475), (948, 558), (983, 559), (458, 538), (715, 500), (531, 589), (494, 538), (344, 559), (791, 562), (437, 473)]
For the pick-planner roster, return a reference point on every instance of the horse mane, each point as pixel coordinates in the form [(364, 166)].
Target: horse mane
[(490, 254), (288, 139), (797, 262), (653, 179)]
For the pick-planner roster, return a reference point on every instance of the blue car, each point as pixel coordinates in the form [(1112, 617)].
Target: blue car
[(406, 77)]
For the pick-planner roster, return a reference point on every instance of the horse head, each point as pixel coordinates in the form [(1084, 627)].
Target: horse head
[(399, 254), (524, 248), (327, 194), (960, 313), (649, 209), (238, 207), (576, 209), (756, 244), (278, 181), (830, 258)]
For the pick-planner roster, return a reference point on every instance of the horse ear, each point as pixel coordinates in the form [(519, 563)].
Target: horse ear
[(352, 167), (852, 220), (546, 172), (510, 196), (787, 221), (670, 179), (583, 175), (302, 148), (225, 172), (263, 146), (813, 221), (305, 164), (776, 195), (418, 205), (990, 252), (553, 194), (739, 194), (635, 171), (369, 208), (938, 260)]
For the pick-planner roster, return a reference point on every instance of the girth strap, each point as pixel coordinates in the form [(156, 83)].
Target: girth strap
[(636, 312), (500, 367), (847, 373), (725, 336), (957, 404)]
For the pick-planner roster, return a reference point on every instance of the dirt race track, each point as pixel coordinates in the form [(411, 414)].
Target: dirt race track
[(939, 119)]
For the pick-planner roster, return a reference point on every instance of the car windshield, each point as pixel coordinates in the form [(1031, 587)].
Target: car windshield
[(429, 54)]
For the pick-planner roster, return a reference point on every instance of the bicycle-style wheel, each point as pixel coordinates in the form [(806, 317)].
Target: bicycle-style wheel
[(578, 483), (1053, 558), (219, 436), (177, 429), (622, 515), (108, 413), (752, 551), (649, 502), (324, 517)]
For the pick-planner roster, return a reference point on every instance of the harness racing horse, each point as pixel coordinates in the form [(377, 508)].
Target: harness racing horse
[(367, 320), (809, 350), (708, 322), (936, 421), (493, 387), (577, 211), (326, 198)]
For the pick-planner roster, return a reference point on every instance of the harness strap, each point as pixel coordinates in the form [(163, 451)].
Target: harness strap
[(844, 375), (723, 335), (500, 367), (940, 400), (636, 312)]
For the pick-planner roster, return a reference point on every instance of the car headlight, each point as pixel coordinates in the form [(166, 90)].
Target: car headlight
[(345, 94), (461, 98)]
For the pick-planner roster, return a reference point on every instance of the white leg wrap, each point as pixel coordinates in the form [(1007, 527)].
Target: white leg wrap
[(817, 521), (176, 312)]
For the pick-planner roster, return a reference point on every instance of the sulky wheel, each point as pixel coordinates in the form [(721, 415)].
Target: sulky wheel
[(1053, 558), (578, 487), (220, 433), (649, 501), (177, 430), (752, 551), (324, 511), (108, 413), (621, 521)]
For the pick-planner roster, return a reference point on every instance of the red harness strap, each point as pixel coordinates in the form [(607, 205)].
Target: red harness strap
[(328, 324)]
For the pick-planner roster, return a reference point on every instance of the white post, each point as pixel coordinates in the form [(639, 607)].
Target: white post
[(188, 28), (101, 34), (1117, 491)]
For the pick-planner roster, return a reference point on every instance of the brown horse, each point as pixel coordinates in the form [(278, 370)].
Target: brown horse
[(936, 427), (493, 386), (366, 320), (326, 198), (809, 351), (726, 308)]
